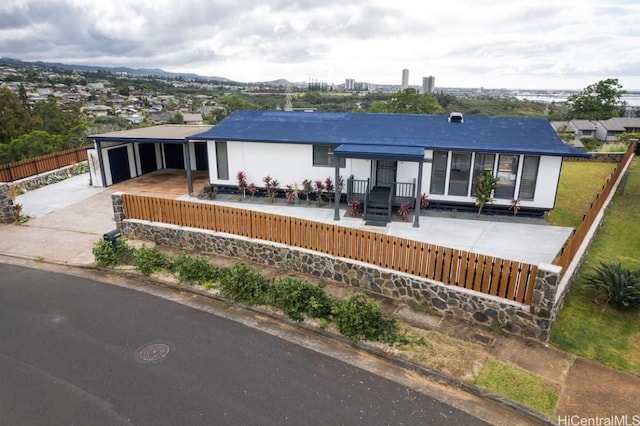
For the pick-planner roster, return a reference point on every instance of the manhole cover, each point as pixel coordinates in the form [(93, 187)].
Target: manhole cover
[(153, 352)]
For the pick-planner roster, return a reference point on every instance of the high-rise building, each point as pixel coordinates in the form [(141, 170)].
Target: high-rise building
[(405, 79), (349, 84), (428, 84)]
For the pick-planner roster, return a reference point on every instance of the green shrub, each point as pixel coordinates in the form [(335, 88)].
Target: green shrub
[(358, 318), (590, 144), (298, 297), (244, 284), (195, 270), (104, 255), (149, 260), (618, 285)]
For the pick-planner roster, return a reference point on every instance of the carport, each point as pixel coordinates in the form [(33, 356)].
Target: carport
[(126, 154)]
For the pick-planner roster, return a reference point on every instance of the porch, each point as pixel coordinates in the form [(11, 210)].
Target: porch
[(379, 201)]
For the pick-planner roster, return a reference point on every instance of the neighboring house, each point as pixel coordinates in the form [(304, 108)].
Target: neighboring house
[(97, 110), (396, 156), (583, 128), (563, 127), (192, 118), (161, 117), (608, 130)]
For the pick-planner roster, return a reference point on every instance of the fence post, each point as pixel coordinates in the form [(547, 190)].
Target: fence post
[(7, 213), (118, 209), (543, 301)]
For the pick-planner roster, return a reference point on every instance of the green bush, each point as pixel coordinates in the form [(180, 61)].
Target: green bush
[(590, 144), (195, 270), (104, 255), (298, 297), (244, 284), (358, 318), (618, 285), (149, 260)]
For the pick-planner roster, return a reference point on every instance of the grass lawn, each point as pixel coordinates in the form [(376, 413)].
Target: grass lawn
[(583, 327), (580, 183)]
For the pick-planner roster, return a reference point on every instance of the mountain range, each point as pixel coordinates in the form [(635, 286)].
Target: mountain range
[(157, 72)]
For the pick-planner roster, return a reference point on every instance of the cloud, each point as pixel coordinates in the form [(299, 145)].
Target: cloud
[(486, 43)]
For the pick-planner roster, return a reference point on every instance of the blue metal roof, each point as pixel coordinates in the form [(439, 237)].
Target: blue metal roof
[(362, 133), (390, 152)]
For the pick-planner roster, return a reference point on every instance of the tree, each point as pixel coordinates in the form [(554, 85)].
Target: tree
[(177, 118), (14, 119), (31, 145), (487, 183), (598, 101), (408, 101), (52, 118)]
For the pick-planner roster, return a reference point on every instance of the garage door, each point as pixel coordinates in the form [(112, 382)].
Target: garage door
[(202, 157), (119, 164), (173, 156), (148, 161)]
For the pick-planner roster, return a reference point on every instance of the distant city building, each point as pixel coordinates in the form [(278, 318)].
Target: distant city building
[(428, 84), (349, 84), (405, 79)]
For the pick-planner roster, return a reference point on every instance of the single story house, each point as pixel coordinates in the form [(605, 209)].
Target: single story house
[(397, 157), (383, 159)]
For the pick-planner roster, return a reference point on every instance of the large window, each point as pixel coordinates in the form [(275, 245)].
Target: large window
[(438, 172), (222, 161), (483, 162), (459, 174), (507, 173), (529, 177), (323, 156)]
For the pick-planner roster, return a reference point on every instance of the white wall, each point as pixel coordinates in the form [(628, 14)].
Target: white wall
[(94, 168), (292, 163), (547, 183), (287, 163)]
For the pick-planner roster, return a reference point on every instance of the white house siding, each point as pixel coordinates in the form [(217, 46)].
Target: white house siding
[(287, 163), (292, 163), (547, 183)]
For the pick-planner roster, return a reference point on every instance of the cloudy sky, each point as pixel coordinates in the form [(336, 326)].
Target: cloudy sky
[(538, 44)]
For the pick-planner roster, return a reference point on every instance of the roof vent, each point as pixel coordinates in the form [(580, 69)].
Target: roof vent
[(456, 117)]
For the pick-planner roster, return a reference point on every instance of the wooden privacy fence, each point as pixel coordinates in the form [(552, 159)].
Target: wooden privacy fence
[(578, 235), (32, 166), (490, 275)]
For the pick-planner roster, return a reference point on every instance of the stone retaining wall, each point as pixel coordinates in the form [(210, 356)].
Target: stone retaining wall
[(600, 157), (7, 212), (42, 179), (528, 321)]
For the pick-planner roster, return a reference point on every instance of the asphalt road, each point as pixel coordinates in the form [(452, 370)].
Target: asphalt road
[(76, 351)]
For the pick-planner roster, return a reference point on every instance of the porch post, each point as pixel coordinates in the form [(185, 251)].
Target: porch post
[(336, 185), (416, 210), (103, 175), (187, 161)]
